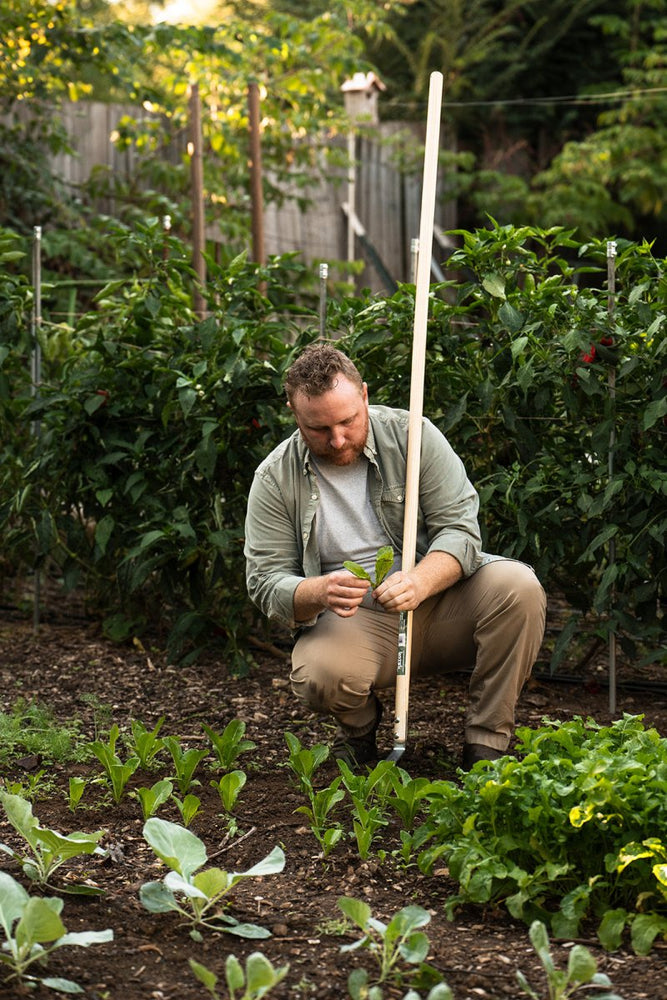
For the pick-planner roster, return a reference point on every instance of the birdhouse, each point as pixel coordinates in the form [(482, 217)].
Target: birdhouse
[(361, 98)]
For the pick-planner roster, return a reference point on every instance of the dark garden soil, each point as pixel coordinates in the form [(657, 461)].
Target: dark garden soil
[(69, 667)]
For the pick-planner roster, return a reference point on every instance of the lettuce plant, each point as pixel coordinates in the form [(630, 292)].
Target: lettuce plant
[(230, 743), (383, 562), (117, 772), (49, 850), (581, 972), (198, 894), (152, 798), (33, 930), (257, 981)]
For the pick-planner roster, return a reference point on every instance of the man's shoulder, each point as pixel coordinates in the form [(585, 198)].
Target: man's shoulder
[(388, 416)]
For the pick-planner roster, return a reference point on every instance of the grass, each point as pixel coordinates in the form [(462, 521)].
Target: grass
[(30, 728)]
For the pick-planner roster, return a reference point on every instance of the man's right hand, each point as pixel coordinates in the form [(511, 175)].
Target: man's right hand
[(341, 592)]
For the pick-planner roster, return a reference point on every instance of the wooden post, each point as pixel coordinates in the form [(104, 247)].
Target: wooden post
[(256, 193), (197, 188)]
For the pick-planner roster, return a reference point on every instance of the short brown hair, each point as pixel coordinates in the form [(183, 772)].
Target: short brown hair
[(317, 369)]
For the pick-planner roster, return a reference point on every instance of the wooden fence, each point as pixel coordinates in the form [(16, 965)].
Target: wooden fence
[(387, 200)]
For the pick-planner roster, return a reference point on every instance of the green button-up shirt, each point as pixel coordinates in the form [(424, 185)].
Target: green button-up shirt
[(280, 538)]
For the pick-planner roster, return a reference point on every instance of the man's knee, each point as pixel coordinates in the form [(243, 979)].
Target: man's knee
[(515, 588)]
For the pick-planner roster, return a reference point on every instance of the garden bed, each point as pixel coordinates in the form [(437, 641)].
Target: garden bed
[(80, 676)]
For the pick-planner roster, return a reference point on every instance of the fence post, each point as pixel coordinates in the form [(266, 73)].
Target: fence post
[(256, 193), (611, 295), (324, 272), (197, 187), (36, 374)]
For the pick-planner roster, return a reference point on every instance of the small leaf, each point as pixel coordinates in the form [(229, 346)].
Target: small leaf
[(357, 570)]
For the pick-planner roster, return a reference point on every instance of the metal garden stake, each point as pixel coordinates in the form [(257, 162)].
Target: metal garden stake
[(422, 286)]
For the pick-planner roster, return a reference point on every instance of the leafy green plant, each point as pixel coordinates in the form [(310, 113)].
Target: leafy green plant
[(145, 744), (198, 894), (30, 728), (188, 807), (304, 762), (49, 850), (33, 930), (370, 796), (152, 798), (257, 981), (229, 787), (230, 743), (554, 835), (581, 972), (402, 940), (186, 761), (76, 788), (117, 772), (383, 563)]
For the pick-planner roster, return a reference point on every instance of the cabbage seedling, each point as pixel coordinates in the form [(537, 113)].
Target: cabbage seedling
[(384, 560), (38, 932), (49, 849), (198, 893)]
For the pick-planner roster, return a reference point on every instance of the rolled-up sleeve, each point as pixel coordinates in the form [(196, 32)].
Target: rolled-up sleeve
[(273, 549), (448, 503)]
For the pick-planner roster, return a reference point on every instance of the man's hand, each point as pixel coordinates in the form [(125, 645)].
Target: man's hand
[(340, 592), (405, 591)]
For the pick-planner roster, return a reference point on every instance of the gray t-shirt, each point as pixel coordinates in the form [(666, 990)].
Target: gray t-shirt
[(346, 523)]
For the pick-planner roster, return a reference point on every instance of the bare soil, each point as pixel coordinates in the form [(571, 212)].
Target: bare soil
[(68, 666)]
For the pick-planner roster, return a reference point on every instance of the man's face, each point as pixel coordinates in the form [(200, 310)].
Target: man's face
[(335, 424)]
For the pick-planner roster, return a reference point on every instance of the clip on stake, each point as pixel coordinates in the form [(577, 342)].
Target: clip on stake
[(422, 287)]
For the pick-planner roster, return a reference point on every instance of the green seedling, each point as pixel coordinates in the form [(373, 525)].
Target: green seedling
[(359, 988), (384, 560), (198, 894), (321, 803), (145, 744), (303, 761), (188, 807), (410, 796), (186, 763), (258, 980), (401, 940), (49, 850), (370, 795), (76, 789), (33, 787), (229, 787), (581, 972), (230, 743), (30, 728), (39, 931), (152, 798), (117, 772)]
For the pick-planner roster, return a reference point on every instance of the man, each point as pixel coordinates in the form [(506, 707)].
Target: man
[(334, 491)]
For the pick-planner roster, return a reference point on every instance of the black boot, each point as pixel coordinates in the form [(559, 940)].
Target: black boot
[(357, 751)]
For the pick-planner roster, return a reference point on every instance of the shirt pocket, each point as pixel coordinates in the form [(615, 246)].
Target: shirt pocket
[(392, 503)]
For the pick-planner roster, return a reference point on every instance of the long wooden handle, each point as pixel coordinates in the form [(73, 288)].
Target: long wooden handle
[(422, 287)]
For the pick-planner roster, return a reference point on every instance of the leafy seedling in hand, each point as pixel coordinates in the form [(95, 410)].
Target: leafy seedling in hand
[(38, 932), (49, 849), (384, 560), (258, 980), (198, 893)]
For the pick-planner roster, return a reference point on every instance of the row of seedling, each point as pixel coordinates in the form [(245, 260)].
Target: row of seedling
[(200, 895)]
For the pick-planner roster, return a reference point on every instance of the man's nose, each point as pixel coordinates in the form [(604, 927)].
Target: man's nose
[(337, 439)]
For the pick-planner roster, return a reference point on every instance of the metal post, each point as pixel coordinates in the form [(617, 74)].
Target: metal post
[(324, 273), (197, 185), (414, 256), (611, 294), (36, 371)]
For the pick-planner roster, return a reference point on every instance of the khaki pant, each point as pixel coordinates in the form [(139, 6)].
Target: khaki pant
[(493, 622)]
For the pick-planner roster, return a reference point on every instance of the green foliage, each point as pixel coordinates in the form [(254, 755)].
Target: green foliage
[(370, 794), (117, 771), (30, 728), (258, 979), (48, 849), (198, 893), (402, 940), (186, 761), (145, 744), (33, 930), (581, 972), (564, 834), (230, 743), (383, 563), (152, 798), (304, 762)]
